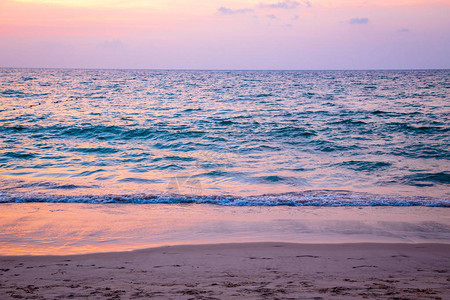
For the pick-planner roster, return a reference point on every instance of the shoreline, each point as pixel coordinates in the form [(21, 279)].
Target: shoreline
[(226, 244), (52, 228), (234, 271)]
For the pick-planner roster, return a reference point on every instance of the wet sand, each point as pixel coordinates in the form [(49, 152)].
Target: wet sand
[(236, 271), (63, 228)]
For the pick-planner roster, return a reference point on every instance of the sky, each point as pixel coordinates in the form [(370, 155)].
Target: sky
[(225, 34)]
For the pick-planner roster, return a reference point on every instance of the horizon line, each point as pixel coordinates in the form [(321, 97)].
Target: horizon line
[(225, 70)]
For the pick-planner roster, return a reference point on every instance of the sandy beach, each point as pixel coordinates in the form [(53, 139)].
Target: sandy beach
[(60, 251), (235, 271)]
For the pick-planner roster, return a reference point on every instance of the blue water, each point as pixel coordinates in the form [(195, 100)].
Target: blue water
[(325, 138)]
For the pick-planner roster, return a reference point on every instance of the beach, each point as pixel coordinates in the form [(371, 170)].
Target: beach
[(236, 271), (52, 251)]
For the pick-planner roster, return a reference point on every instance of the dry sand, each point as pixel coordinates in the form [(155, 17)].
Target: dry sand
[(236, 271)]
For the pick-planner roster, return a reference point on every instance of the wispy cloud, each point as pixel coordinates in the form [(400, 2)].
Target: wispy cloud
[(229, 11), (359, 21), (271, 16), (404, 30), (286, 4)]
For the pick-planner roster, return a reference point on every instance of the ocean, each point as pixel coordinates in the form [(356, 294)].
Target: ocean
[(234, 138)]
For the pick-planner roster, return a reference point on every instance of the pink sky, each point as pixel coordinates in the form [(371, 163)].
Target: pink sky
[(228, 34)]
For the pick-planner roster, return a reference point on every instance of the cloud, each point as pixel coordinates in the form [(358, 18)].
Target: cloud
[(404, 30), (228, 11), (286, 4), (271, 16), (359, 21)]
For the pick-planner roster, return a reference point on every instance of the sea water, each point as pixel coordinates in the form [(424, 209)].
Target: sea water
[(244, 138)]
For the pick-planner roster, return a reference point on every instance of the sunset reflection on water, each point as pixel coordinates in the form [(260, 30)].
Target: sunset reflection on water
[(61, 229)]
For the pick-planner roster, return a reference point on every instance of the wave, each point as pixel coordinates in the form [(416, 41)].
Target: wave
[(102, 132), (308, 198), (421, 179), (364, 166)]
